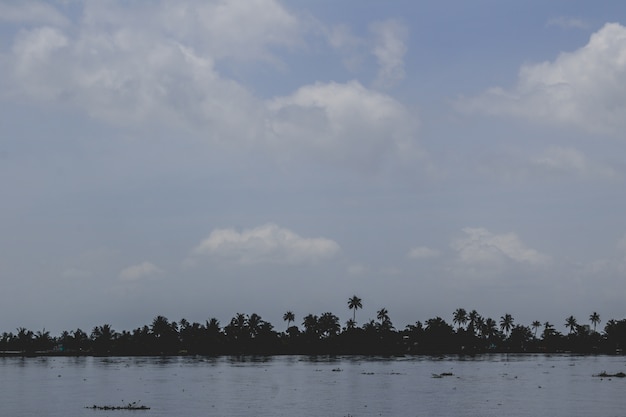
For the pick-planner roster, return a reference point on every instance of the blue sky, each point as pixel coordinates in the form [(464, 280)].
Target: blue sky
[(198, 159)]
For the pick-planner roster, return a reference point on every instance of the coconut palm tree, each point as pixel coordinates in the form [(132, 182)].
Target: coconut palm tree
[(383, 316), (594, 318), (506, 323), (473, 321), (350, 324), (459, 317), (536, 324), (354, 304), (571, 323), (289, 317), (328, 325)]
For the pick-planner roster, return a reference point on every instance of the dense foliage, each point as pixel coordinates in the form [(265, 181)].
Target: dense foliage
[(469, 333)]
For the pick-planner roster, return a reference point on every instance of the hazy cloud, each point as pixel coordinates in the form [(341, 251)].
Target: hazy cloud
[(423, 252), (568, 23), (139, 271), (481, 247), (27, 11), (268, 243), (568, 160), (389, 49)]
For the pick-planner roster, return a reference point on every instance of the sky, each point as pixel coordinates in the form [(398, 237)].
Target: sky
[(198, 159)]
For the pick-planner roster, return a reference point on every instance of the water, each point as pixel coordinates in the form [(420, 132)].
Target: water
[(499, 385)]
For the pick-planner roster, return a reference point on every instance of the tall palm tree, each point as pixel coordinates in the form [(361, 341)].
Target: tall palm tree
[(289, 317), (459, 317), (354, 304), (536, 324), (506, 323), (594, 318), (571, 324)]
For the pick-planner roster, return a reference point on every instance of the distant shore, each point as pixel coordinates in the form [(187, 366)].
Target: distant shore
[(470, 334)]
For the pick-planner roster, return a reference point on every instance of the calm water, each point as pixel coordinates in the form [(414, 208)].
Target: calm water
[(501, 385)]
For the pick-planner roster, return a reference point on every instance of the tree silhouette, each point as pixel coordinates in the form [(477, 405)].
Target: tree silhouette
[(289, 317), (594, 318), (536, 324), (571, 324), (459, 317), (383, 317), (354, 304), (506, 323)]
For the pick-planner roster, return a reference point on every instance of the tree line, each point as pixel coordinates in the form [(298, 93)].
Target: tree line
[(469, 333)]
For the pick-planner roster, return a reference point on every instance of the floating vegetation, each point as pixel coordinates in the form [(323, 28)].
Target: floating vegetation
[(441, 375), (603, 374), (129, 406)]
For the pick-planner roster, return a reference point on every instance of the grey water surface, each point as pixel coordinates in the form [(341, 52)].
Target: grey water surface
[(488, 385)]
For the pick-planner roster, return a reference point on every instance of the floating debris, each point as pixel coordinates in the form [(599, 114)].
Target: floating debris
[(603, 374), (441, 375), (129, 406)]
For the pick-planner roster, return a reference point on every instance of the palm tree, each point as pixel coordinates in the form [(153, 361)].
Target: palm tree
[(354, 303), (310, 323), (350, 324), (536, 324), (459, 317), (474, 319), (594, 318), (254, 324), (289, 317), (571, 323), (328, 325), (548, 330), (385, 321), (506, 323), (382, 315)]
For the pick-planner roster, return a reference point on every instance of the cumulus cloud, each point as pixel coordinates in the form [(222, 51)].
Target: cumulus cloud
[(342, 122), (268, 243), (422, 252), (584, 89), (139, 271), (481, 247), (389, 50), (149, 66)]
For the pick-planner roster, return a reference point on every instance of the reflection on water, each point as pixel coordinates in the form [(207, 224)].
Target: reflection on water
[(490, 385)]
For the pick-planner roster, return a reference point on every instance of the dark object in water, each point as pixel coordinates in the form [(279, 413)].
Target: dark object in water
[(605, 375), (130, 406)]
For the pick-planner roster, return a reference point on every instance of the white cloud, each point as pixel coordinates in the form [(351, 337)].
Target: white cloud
[(139, 271), (232, 29), (422, 252), (150, 66), (268, 243), (583, 89), (27, 11), (342, 122), (568, 160), (389, 49), (481, 247)]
